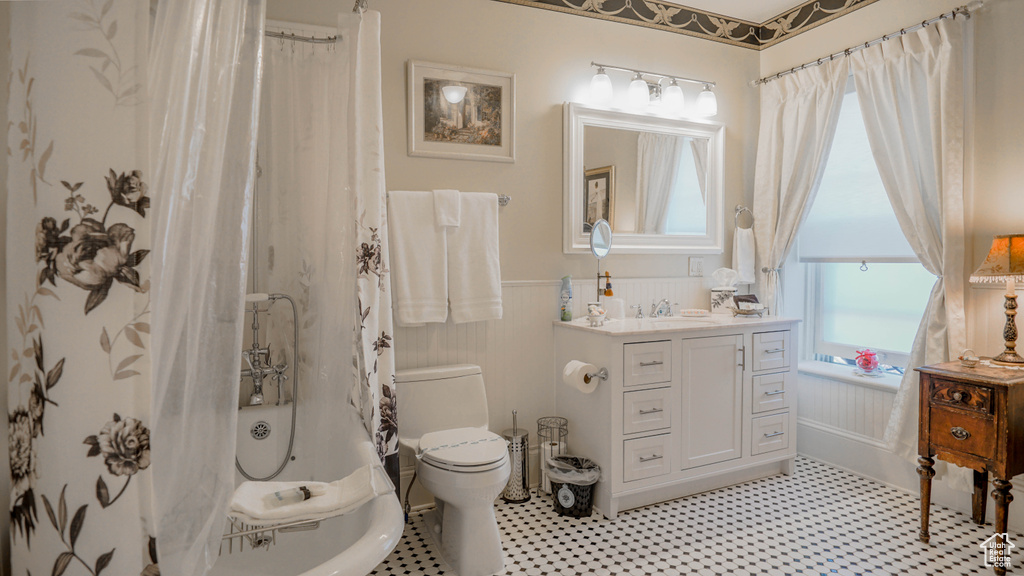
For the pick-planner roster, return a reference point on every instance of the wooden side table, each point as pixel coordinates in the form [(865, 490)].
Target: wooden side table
[(972, 417)]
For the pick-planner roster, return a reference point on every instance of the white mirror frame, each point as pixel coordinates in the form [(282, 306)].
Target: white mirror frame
[(575, 241)]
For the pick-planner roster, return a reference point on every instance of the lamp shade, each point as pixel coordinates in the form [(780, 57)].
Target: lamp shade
[(453, 93), (1005, 261), (673, 97), (707, 102), (639, 95), (601, 88)]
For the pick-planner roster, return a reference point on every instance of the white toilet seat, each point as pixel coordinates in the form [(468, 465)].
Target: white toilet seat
[(463, 450)]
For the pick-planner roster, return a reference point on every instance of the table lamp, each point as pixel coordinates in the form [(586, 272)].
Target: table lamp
[(1005, 263)]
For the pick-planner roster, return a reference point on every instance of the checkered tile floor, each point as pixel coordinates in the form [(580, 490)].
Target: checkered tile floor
[(820, 521)]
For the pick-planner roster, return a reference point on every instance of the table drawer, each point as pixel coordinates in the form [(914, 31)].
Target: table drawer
[(769, 433), (773, 391), (645, 457), (963, 396), (771, 350), (962, 432), (646, 410), (647, 363)]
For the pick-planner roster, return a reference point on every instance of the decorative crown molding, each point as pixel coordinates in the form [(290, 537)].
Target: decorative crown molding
[(680, 19)]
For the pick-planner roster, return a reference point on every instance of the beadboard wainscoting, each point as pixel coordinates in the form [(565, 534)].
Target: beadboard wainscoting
[(515, 353)]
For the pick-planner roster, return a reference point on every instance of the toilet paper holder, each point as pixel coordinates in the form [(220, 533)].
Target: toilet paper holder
[(602, 374)]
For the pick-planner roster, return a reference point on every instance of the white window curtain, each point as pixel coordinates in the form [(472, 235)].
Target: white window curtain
[(799, 113), (657, 162), (911, 92), (699, 146), (204, 77)]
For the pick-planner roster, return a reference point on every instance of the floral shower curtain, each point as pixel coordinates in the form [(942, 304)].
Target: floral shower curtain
[(83, 399), (78, 289)]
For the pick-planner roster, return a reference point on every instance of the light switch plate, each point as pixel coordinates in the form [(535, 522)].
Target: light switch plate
[(696, 266)]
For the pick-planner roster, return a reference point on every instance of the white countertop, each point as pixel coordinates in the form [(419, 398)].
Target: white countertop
[(634, 327)]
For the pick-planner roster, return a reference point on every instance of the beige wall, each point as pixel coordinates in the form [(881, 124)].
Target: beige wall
[(550, 53), (5, 478)]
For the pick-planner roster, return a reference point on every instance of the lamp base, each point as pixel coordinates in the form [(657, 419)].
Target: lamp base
[(1009, 358)]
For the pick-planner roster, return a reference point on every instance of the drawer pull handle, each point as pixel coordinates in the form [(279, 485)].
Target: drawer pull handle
[(651, 457), (775, 393), (774, 434), (959, 433), (774, 351), (959, 396), (651, 411), (654, 363)]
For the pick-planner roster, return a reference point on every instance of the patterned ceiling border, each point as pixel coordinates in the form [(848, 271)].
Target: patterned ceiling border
[(681, 19)]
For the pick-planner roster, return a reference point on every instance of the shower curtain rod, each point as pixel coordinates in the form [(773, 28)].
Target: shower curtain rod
[(966, 10), (297, 38)]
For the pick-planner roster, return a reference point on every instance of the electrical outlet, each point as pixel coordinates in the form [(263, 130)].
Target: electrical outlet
[(696, 266)]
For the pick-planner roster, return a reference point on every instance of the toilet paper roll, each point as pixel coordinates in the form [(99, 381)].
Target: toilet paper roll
[(574, 375)]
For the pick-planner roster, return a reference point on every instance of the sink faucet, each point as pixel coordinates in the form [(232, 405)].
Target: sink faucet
[(639, 311), (662, 308)]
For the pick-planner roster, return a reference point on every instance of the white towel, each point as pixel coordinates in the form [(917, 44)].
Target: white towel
[(474, 273), (447, 211), (340, 497), (743, 255), (419, 259)]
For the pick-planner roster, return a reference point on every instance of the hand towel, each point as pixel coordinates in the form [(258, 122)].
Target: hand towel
[(340, 497), (743, 255), (419, 260), (447, 210), (474, 272)]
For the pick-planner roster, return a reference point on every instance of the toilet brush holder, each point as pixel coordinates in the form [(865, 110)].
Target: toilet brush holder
[(518, 488)]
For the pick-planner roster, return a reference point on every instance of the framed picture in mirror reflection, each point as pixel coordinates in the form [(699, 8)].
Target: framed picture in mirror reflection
[(599, 199)]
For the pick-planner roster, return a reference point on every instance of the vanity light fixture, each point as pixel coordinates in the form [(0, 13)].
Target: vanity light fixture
[(639, 94), (601, 87), (707, 103), (453, 93)]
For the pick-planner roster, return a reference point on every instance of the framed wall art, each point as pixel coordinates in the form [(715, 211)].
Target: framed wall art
[(599, 200), (461, 113)]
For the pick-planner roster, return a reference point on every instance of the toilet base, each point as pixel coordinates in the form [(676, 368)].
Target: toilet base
[(468, 539)]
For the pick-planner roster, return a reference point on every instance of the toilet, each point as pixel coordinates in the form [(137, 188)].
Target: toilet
[(458, 460)]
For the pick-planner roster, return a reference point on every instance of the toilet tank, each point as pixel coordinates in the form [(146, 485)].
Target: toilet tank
[(440, 398)]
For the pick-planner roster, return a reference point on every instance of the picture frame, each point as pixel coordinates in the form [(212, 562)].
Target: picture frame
[(480, 127), (599, 196)]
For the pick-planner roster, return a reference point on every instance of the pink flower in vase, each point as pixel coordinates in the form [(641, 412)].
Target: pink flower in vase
[(867, 360)]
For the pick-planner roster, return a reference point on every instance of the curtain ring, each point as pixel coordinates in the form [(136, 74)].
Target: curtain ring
[(866, 45), (863, 265), (924, 23), (847, 51), (903, 31)]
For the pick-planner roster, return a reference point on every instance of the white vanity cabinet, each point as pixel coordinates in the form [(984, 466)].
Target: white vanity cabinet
[(689, 404)]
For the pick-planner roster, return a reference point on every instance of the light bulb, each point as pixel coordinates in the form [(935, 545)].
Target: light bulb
[(707, 103), (639, 94), (454, 94), (672, 96), (601, 88)]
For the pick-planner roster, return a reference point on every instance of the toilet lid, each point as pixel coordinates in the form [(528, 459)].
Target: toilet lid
[(465, 449)]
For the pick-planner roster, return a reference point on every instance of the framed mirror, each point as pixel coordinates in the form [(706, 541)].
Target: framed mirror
[(658, 181)]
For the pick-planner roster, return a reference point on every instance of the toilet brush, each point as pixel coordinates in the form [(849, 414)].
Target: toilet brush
[(518, 488)]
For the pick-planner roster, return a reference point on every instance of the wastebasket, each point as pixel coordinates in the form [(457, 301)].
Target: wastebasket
[(572, 485)]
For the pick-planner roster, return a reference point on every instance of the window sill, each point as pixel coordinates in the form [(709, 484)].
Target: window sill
[(886, 383)]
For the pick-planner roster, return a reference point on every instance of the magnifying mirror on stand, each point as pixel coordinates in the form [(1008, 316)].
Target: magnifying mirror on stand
[(600, 246)]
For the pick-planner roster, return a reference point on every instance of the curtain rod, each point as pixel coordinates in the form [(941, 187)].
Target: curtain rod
[(297, 38), (966, 10)]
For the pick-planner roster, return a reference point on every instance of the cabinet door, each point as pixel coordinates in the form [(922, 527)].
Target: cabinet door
[(712, 399)]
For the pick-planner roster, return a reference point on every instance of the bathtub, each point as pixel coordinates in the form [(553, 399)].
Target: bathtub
[(349, 545)]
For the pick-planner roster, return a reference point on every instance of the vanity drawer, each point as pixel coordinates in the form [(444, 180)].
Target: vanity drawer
[(773, 391), (646, 410), (769, 433), (962, 432), (771, 351), (645, 457), (647, 363), (963, 396)]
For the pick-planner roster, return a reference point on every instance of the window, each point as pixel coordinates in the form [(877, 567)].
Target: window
[(865, 287)]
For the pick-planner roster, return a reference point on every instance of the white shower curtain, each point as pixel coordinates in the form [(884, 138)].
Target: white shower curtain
[(204, 75), (657, 163), (799, 113), (911, 92), (322, 235)]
